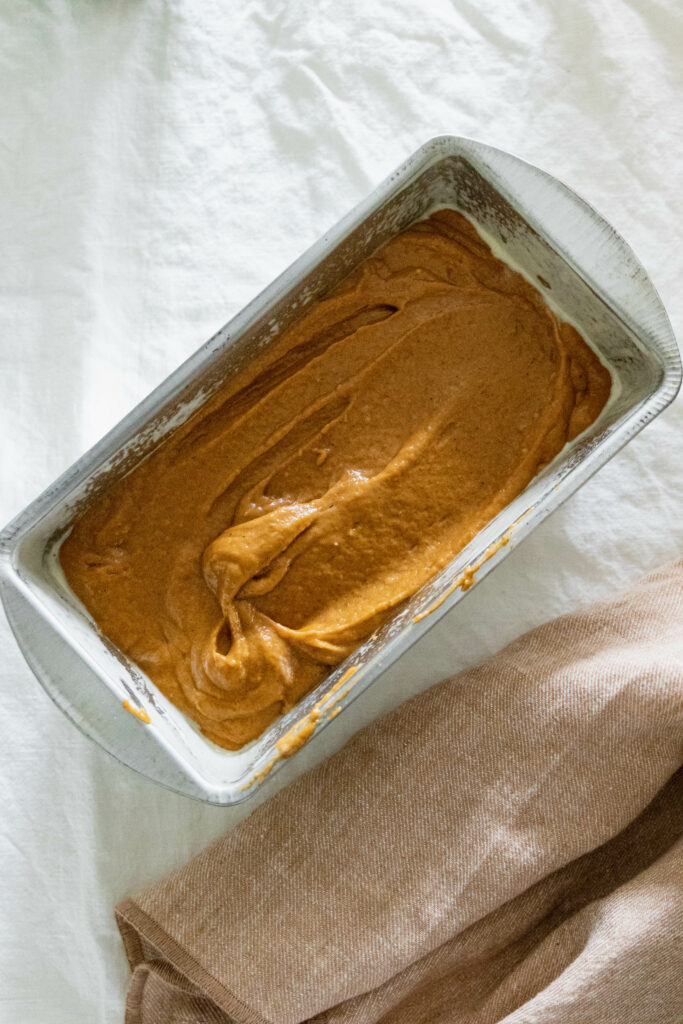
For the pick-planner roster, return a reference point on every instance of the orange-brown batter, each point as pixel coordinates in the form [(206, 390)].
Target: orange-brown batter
[(279, 527)]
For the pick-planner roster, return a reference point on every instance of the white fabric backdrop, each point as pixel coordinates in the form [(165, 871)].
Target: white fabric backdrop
[(161, 161)]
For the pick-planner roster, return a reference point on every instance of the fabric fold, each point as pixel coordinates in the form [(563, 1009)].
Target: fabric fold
[(490, 844)]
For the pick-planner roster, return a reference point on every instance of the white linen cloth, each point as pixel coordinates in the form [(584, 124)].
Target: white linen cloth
[(161, 161)]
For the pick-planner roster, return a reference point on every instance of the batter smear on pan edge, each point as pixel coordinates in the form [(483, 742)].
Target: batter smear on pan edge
[(288, 519)]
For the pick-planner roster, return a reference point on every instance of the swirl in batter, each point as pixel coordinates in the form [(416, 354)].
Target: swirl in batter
[(287, 520)]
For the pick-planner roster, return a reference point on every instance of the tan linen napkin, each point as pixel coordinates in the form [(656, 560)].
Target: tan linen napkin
[(503, 847)]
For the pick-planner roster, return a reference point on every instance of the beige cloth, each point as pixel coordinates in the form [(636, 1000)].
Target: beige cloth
[(504, 847)]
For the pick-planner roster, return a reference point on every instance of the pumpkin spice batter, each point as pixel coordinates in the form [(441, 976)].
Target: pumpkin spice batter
[(277, 529)]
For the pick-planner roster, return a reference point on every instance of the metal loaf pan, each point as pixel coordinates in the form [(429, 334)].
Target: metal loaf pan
[(588, 274)]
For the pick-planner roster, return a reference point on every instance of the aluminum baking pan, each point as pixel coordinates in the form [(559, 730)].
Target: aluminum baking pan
[(541, 227)]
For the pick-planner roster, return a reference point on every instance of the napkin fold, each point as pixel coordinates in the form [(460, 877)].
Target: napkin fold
[(506, 846)]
